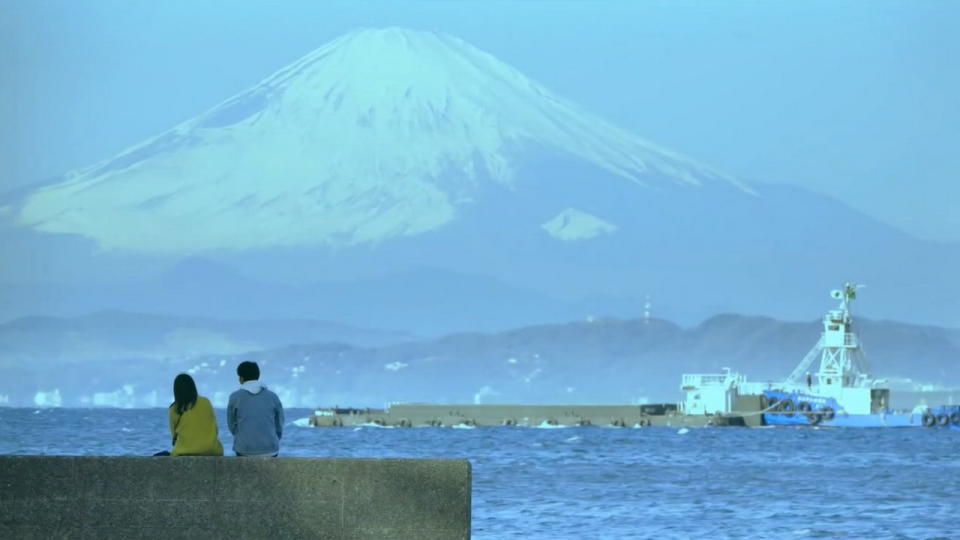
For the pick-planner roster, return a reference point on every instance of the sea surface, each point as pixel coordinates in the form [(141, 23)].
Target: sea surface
[(594, 482)]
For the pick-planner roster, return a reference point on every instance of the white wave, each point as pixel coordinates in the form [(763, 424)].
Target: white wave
[(683, 431), (575, 438), (302, 422), (545, 425), (463, 426), (48, 399), (374, 425)]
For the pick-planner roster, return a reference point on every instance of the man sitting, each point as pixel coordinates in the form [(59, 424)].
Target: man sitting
[(254, 415)]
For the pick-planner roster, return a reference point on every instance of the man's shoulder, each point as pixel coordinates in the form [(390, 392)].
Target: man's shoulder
[(272, 394)]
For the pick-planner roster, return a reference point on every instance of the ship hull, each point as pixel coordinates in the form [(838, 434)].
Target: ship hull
[(881, 420), (807, 409)]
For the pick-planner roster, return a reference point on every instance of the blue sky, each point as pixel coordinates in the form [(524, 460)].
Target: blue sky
[(854, 99)]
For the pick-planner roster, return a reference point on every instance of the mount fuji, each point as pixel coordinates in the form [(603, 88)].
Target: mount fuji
[(386, 151), (377, 135)]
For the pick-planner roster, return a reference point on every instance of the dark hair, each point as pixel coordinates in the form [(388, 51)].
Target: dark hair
[(184, 393), (248, 371)]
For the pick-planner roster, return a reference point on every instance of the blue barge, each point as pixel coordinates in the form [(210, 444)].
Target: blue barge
[(783, 408)]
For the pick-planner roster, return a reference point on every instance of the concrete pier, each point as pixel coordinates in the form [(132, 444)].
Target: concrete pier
[(446, 415), (234, 498)]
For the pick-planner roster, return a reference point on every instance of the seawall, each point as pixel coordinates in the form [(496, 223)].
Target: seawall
[(447, 415), (231, 498)]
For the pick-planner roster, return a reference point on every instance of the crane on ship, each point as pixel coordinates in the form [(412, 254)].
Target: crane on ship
[(841, 359)]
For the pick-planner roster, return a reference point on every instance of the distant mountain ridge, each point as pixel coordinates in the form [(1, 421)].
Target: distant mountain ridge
[(47, 342), (598, 361), (425, 301)]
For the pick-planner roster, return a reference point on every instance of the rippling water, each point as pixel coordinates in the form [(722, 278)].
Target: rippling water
[(610, 482)]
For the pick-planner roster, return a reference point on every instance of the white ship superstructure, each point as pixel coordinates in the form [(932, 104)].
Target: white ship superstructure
[(834, 376), (843, 372)]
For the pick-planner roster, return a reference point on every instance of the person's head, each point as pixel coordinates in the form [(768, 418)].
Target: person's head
[(184, 393), (248, 371)]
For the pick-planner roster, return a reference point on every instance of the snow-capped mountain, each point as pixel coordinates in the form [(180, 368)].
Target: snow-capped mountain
[(378, 134), (387, 152)]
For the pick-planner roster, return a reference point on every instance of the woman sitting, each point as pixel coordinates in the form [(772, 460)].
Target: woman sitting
[(192, 423)]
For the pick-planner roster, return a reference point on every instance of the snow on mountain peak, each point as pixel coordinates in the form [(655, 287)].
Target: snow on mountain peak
[(379, 133), (573, 224)]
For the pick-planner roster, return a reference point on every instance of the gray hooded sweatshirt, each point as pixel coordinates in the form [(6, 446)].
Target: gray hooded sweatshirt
[(255, 417)]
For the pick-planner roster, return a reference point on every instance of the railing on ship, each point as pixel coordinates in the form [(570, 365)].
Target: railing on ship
[(702, 379), (708, 379)]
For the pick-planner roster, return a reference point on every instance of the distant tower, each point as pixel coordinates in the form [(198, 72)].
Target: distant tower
[(646, 310)]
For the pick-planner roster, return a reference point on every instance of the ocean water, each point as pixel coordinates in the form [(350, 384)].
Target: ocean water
[(593, 482)]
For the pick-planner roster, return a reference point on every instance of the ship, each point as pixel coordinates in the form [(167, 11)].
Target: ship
[(830, 387)]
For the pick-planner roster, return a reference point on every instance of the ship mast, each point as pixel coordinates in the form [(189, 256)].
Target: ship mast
[(842, 363)]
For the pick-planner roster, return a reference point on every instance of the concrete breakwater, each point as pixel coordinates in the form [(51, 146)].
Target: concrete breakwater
[(466, 415), (210, 497)]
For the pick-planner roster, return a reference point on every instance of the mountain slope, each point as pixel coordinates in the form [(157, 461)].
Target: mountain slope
[(378, 134)]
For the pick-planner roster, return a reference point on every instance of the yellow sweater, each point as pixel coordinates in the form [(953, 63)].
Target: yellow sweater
[(195, 430)]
